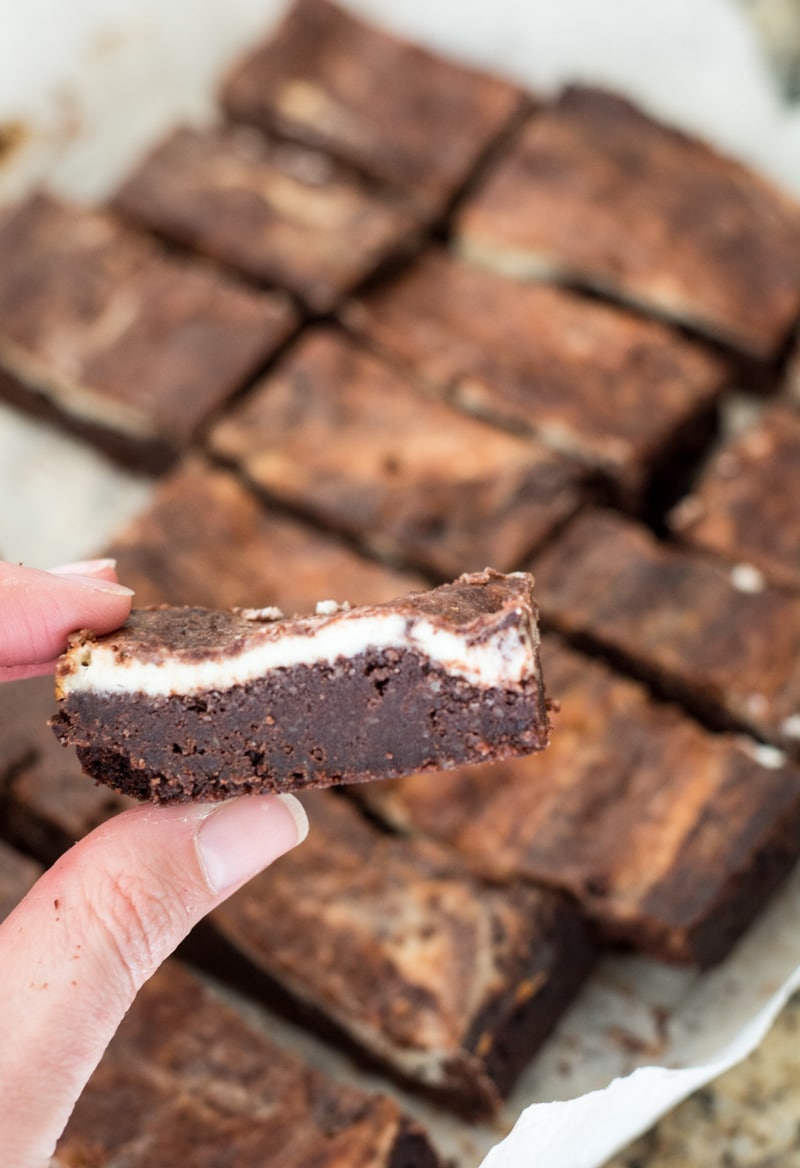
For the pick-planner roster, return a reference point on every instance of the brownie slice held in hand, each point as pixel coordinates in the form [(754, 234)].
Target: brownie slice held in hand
[(188, 703)]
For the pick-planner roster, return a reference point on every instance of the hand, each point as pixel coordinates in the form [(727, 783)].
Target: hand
[(76, 950)]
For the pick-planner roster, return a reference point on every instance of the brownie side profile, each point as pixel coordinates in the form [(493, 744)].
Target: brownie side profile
[(188, 703), (46, 800), (596, 192), (189, 1081), (112, 337), (395, 948), (279, 213), (744, 505), (395, 110), (589, 380), (726, 644), (341, 436), (243, 552), (670, 838)]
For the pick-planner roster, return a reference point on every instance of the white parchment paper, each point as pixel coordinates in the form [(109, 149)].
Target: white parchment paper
[(86, 86)]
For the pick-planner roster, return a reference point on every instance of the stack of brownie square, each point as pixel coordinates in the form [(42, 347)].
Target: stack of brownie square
[(390, 320)]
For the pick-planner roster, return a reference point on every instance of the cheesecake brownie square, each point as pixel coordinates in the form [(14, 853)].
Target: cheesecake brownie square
[(48, 803), (395, 111), (390, 944), (670, 838), (207, 540), (717, 637), (18, 874), (340, 435), (188, 703), (187, 1080), (596, 192), (278, 213), (107, 333), (592, 381), (743, 506)]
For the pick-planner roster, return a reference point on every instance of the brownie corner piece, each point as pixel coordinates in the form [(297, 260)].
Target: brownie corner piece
[(597, 192), (109, 335), (394, 110), (172, 706)]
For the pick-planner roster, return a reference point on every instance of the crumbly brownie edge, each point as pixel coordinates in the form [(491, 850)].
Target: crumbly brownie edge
[(380, 714)]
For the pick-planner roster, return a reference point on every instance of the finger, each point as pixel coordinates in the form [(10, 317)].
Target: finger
[(40, 609), (93, 929)]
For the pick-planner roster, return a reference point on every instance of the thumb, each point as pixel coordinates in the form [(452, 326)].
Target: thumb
[(92, 930)]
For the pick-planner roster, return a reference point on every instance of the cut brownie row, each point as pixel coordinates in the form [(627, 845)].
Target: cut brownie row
[(341, 436), (186, 1074), (119, 340), (718, 637), (670, 838), (589, 380)]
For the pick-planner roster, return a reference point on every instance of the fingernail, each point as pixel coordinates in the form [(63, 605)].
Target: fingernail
[(96, 583), (84, 568), (242, 837)]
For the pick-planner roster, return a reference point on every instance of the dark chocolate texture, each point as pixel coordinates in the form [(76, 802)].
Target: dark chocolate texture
[(593, 190), (277, 212), (695, 628), (187, 1081), (376, 712), (589, 380), (392, 109), (342, 436), (382, 945), (103, 331), (670, 838)]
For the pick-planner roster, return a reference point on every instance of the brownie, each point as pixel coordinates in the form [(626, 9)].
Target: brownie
[(394, 110), (47, 802), (744, 505), (670, 838), (342, 436), (206, 540), (107, 333), (391, 945), (190, 703), (187, 1080), (587, 379), (597, 192), (18, 874), (717, 637), (279, 213)]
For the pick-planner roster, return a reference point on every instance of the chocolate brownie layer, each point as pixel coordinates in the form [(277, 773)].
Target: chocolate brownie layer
[(342, 436), (186, 703), (241, 551), (394, 110), (670, 838), (589, 380), (595, 191), (744, 505), (449, 983), (281, 214), (103, 331), (716, 637), (47, 803), (188, 1081)]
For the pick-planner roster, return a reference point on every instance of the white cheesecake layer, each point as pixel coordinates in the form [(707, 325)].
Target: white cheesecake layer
[(505, 659)]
